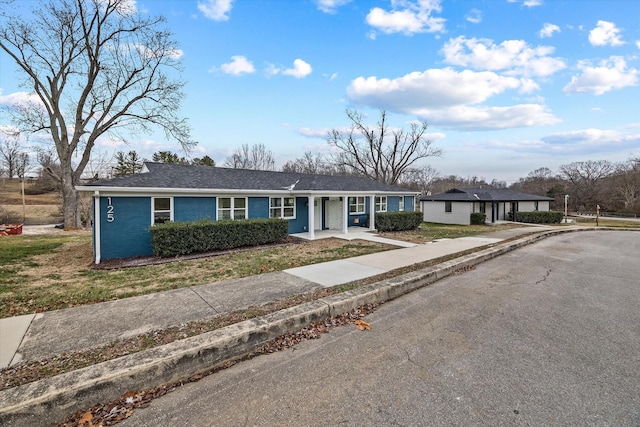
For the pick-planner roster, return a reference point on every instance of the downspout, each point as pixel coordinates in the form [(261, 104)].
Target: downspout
[(96, 226)]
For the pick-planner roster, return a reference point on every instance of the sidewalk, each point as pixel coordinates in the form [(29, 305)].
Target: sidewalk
[(37, 336)]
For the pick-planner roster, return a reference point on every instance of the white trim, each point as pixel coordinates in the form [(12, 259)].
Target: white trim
[(345, 215), (153, 208), (311, 220), (282, 207), (356, 204), (232, 207), (376, 203), (96, 226), (121, 191), (372, 212)]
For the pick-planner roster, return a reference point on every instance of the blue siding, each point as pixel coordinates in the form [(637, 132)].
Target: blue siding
[(258, 207), (128, 234), (363, 219), (194, 208), (301, 221), (393, 203), (408, 203)]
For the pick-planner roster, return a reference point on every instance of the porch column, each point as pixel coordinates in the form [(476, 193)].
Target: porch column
[(372, 212), (345, 214), (311, 215), (96, 227)]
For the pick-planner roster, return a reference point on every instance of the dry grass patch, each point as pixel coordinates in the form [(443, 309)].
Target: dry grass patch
[(42, 273), (428, 232)]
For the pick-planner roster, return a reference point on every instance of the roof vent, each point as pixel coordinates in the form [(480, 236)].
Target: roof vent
[(476, 196)]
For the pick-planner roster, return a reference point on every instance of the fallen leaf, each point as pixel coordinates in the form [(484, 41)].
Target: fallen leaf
[(362, 325), (86, 420)]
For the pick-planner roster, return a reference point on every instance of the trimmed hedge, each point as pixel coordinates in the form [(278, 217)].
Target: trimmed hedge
[(478, 218), (398, 221), (182, 238), (538, 217)]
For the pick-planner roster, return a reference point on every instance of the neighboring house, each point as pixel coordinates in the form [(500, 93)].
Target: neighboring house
[(456, 205), (125, 207)]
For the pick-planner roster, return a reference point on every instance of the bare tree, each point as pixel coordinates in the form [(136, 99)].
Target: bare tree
[(256, 157), (421, 179), (308, 163), (585, 181), (627, 183), (378, 152), (95, 67), (10, 150)]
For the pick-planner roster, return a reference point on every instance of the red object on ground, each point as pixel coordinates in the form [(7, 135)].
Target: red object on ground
[(13, 228)]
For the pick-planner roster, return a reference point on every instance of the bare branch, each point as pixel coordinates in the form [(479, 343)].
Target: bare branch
[(377, 153)]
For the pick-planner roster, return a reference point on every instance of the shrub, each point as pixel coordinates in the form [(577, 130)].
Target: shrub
[(538, 217), (478, 218), (181, 238), (397, 221)]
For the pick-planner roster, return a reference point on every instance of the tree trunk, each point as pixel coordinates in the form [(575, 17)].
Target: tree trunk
[(70, 201)]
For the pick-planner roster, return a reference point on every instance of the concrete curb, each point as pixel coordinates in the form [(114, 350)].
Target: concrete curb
[(53, 399)]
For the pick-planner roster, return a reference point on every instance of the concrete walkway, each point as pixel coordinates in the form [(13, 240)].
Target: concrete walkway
[(34, 337)]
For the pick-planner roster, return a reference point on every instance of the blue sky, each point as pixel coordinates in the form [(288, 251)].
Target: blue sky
[(507, 86)]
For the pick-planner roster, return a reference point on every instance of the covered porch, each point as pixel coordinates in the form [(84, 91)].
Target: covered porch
[(353, 233)]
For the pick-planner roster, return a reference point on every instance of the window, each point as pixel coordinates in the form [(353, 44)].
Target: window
[(282, 207), (356, 205), (483, 208), (400, 203), (232, 208), (447, 207), (161, 210), (381, 204)]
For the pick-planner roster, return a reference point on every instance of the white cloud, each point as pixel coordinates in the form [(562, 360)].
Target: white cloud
[(125, 7), (18, 98), (436, 88), (638, 44), (513, 56), (449, 98), (591, 140), (474, 16), (218, 10), (407, 17), (314, 133), (609, 75), (239, 65), (532, 3), (468, 118), (330, 6), (300, 69), (548, 30), (605, 34)]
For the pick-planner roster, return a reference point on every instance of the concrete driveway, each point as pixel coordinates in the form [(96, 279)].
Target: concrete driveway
[(546, 335)]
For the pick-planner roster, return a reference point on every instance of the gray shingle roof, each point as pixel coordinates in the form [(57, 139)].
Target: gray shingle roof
[(163, 176), (484, 195)]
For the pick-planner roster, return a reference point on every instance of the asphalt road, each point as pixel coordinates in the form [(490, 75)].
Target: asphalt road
[(548, 335)]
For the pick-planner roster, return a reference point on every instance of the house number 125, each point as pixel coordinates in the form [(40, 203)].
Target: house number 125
[(110, 213)]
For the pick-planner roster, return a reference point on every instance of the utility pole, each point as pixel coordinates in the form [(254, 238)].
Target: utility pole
[(566, 197)]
